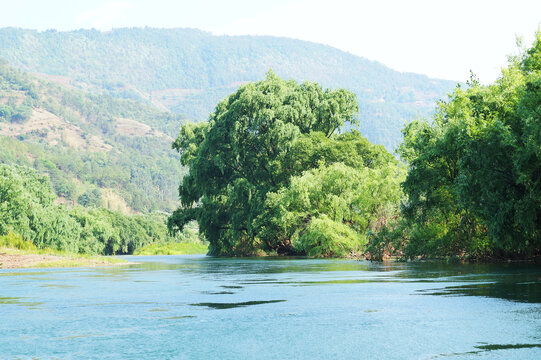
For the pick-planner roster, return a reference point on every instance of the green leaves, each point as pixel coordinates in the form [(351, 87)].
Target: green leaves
[(474, 174), (345, 200), (27, 209), (249, 184)]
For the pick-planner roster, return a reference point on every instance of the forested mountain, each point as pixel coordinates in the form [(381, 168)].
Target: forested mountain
[(188, 71), (97, 150)]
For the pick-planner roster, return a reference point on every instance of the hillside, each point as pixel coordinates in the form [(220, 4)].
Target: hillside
[(96, 149), (187, 71)]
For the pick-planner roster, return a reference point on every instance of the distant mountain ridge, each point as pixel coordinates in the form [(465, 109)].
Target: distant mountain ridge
[(188, 71)]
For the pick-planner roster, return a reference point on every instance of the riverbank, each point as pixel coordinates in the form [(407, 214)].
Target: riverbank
[(17, 253), (20, 259)]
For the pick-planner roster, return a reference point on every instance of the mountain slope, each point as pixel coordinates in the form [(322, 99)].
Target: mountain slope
[(97, 150), (188, 71)]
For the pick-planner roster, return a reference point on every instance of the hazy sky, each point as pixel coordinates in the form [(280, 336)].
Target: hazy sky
[(440, 38)]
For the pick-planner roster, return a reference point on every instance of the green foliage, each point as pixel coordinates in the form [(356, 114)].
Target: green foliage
[(14, 241), (473, 182), (27, 208), (249, 184), (325, 237), (91, 198), (345, 200), (14, 244), (23, 194)]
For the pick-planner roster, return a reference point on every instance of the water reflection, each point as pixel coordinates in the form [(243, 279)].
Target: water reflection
[(509, 281), (490, 348), (529, 292), (507, 346)]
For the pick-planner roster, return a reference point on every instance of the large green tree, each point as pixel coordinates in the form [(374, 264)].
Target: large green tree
[(255, 142)]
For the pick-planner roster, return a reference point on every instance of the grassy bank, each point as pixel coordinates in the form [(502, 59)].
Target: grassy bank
[(18, 253), (173, 249)]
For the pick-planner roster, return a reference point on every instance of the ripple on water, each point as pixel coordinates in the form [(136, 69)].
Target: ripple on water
[(81, 336), (18, 301), (60, 286), (178, 317), (235, 305)]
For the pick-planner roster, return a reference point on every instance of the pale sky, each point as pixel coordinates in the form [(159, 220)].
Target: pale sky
[(439, 38)]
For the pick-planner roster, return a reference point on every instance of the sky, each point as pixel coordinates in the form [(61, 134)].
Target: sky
[(440, 38)]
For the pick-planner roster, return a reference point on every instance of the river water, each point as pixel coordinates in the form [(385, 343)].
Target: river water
[(196, 307)]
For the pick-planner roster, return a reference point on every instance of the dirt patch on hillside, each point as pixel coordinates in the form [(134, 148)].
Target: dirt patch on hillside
[(129, 127), (171, 97), (113, 201), (64, 81), (16, 96), (53, 129)]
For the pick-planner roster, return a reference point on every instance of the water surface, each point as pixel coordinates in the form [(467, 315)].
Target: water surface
[(195, 307)]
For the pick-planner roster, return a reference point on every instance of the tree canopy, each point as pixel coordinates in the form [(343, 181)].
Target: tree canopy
[(474, 181), (261, 140), (27, 208)]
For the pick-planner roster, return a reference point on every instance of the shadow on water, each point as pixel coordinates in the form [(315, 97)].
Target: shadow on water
[(522, 292), (514, 282), (235, 305), (491, 347)]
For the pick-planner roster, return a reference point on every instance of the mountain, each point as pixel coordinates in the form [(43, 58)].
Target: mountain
[(188, 71), (97, 150)]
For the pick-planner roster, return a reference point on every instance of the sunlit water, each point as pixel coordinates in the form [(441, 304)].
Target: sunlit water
[(194, 307)]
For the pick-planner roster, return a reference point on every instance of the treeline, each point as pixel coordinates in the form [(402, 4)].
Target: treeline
[(27, 208), (270, 174)]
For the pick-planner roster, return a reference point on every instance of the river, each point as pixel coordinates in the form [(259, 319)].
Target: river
[(197, 307)]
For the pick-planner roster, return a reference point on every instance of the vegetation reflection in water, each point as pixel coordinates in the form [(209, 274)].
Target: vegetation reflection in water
[(517, 282)]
